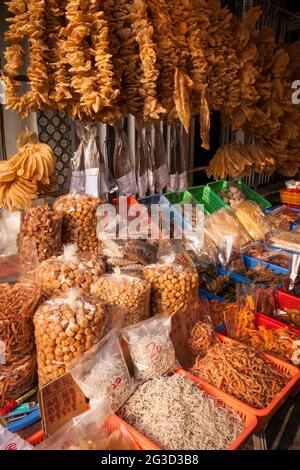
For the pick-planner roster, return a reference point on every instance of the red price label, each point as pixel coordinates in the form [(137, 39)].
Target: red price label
[(116, 383), (154, 349)]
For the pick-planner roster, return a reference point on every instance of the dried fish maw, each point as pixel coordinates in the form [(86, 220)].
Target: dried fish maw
[(182, 98)]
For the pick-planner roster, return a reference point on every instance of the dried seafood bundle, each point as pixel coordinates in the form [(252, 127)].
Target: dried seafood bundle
[(27, 24), (176, 414), (148, 55), (241, 372), (239, 160)]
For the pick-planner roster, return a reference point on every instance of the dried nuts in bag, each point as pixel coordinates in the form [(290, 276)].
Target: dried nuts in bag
[(44, 226), (79, 221), (131, 293), (59, 274), (65, 327), (173, 287)]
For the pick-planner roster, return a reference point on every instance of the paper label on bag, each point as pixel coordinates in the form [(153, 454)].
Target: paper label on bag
[(143, 185), (77, 182), (173, 184), (92, 182), (60, 401), (182, 181), (2, 353), (162, 177), (127, 184)]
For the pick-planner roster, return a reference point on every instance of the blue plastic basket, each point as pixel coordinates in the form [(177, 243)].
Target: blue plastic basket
[(253, 263), (167, 209), (243, 279), (277, 248)]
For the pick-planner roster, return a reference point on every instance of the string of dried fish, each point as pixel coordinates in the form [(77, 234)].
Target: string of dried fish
[(176, 414)]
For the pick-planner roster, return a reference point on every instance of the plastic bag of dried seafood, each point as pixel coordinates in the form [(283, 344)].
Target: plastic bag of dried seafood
[(97, 429), (221, 224), (65, 327), (174, 280), (230, 256), (124, 164), (19, 297), (130, 292), (102, 372), (72, 269), (151, 349), (254, 221), (142, 159), (293, 283)]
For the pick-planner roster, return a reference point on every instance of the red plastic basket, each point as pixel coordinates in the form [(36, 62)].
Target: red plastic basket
[(263, 416), (287, 300), (111, 424)]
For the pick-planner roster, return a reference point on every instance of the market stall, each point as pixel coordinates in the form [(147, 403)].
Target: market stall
[(136, 312)]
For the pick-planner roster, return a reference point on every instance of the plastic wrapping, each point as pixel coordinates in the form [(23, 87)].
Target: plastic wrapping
[(230, 256), (293, 283), (263, 253), (65, 327), (59, 274), (254, 221), (43, 225), (88, 167), (174, 151), (94, 430), (10, 441), (287, 241), (129, 292), (102, 372), (222, 224), (151, 350), (201, 331), (142, 159), (78, 212), (283, 217), (123, 164), (174, 280), (160, 159), (18, 301), (9, 231)]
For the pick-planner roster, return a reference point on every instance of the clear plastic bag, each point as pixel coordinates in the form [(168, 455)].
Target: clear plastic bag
[(123, 164), (65, 327), (9, 231), (142, 159), (132, 293), (174, 280), (102, 373), (79, 218), (174, 182), (283, 217), (151, 349), (43, 225), (293, 283), (222, 224), (160, 159), (59, 274), (287, 241), (10, 441), (151, 161), (230, 256), (97, 429), (18, 301), (77, 182), (254, 221)]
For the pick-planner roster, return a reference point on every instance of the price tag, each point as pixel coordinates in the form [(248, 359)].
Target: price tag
[(60, 401)]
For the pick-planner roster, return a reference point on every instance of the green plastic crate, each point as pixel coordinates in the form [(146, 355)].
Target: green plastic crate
[(186, 197), (250, 194), (206, 196)]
